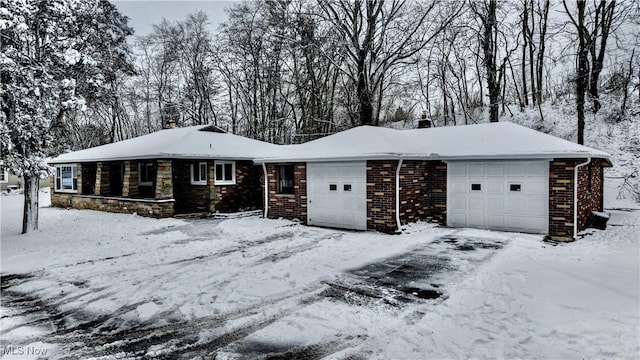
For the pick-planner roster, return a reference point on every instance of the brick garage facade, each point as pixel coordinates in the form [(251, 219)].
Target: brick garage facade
[(561, 192), (590, 191), (288, 206), (422, 193), (381, 195), (436, 196)]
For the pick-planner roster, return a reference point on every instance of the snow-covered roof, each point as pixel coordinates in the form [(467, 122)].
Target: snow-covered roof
[(194, 142), (493, 141)]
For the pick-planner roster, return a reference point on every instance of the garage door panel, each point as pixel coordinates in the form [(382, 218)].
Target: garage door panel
[(537, 188), (495, 221), (516, 205), (535, 222), (457, 170), (341, 207), (513, 195), (538, 169), (516, 170), (476, 170), (476, 204), (458, 186), (476, 220), (536, 206), (515, 222), (495, 170), (495, 187), (456, 219), (458, 204), (495, 205)]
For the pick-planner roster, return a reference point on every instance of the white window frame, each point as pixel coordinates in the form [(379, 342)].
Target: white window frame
[(140, 166), (233, 172), (203, 174), (74, 171)]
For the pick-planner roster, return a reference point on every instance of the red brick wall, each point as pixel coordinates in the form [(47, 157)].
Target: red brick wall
[(189, 198), (589, 192), (288, 206), (413, 191), (246, 194), (561, 187), (436, 190), (381, 195)]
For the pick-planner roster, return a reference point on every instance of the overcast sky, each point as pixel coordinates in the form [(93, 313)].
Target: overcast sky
[(143, 13)]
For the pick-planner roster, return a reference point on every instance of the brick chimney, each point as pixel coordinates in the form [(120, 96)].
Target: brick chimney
[(169, 124), (424, 123)]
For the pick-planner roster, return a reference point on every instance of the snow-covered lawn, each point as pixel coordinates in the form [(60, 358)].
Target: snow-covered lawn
[(93, 284)]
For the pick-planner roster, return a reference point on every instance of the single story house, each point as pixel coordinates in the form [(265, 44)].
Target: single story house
[(498, 176), (173, 171)]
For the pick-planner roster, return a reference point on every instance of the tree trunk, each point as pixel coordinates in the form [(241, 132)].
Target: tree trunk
[(583, 72), (30, 214), (489, 45), (525, 31), (544, 16)]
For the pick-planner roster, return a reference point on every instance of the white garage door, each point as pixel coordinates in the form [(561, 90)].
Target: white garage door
[(510, 196), (337, 194)]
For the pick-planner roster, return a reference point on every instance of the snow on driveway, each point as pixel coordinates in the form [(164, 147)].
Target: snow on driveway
[(93, 284)]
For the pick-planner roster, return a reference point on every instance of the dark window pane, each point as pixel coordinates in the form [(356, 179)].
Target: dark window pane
[(515, 187), (219, 170), (286, 179), (347, 187), (228, 172), (203, 172), (333, 187), (476, 187)]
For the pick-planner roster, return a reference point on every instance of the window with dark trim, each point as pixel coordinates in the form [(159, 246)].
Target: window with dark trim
[(285, 179)]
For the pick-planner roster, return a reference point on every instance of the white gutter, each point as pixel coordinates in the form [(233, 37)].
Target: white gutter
[(398, 195), (575, 196), (266, 191)]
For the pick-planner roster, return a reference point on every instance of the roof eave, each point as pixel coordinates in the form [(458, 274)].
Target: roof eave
[(391, 156)]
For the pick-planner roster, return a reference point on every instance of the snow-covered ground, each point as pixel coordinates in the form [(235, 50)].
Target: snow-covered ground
[(98, 285)]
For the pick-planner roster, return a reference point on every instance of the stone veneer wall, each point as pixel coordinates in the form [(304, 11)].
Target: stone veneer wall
[(164, 179), (246, 194), (288, 206), (561, 187), (381, 195), (143, 207)]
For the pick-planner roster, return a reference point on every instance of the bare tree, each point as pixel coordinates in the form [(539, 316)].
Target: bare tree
[(378, 37), (486, 12)]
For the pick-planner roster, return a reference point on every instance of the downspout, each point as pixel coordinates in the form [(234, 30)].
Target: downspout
[(575, 196), (266, 190), (398, 195)]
